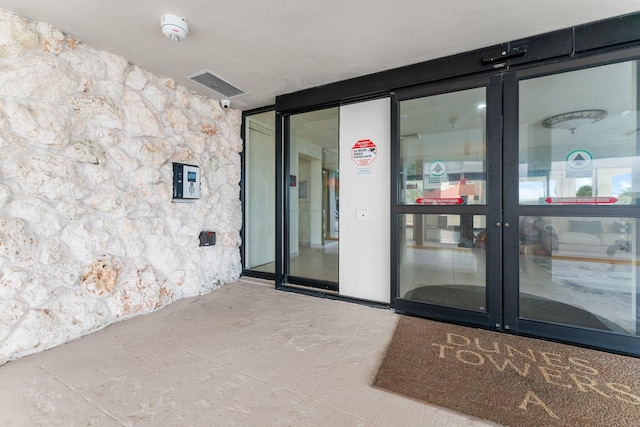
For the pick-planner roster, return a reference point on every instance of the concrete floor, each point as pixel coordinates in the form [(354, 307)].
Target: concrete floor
[(243, 355)]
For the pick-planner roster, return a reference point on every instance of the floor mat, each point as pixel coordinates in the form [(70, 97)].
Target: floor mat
[(531, 306), (515, 381)]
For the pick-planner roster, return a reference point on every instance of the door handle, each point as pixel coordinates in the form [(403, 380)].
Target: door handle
[(506, 225)]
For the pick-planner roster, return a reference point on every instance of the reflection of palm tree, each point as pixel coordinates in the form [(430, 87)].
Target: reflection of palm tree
[(625, 196), (625, 193)]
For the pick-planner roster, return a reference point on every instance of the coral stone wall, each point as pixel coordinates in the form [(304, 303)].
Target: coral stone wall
[(88, 231)]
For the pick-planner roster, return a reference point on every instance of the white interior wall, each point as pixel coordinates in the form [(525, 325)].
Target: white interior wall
[(315, 203), (364, 203), (261, 204), (304, 219), (294, 245)]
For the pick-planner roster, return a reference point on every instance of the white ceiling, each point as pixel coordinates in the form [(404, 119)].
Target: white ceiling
[(269, 48)]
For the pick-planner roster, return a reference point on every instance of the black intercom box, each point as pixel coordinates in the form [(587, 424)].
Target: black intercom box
[(207, 238)]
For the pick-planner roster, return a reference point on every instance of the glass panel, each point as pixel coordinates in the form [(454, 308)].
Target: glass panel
[(580, 146), (260, 192), (580, 271), (443, 260), (443, 149), (314, 192)]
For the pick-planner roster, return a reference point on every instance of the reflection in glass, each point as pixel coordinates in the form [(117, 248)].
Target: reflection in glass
[(578, 146), (443, 149), (580, 271), (443, 259), (260, 190), (314, 194)]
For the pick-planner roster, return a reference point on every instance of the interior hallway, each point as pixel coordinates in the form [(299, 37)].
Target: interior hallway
[(244, 354)]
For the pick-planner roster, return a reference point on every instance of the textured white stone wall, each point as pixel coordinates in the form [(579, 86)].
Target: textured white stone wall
[(88, 231)]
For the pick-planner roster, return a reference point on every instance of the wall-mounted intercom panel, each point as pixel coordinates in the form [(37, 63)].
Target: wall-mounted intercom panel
[(186, 182)]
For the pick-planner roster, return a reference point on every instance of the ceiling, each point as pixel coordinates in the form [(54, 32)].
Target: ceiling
[(269, 48)]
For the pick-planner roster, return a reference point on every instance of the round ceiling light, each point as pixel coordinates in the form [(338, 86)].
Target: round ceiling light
[(574, 119), (174, 27)]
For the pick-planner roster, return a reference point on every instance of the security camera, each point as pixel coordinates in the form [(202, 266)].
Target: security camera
[(225, 104)]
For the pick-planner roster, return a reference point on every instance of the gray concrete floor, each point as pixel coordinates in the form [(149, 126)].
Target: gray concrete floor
[(243, 355)]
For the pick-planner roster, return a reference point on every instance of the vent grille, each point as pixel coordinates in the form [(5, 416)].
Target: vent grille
[(207, 79)]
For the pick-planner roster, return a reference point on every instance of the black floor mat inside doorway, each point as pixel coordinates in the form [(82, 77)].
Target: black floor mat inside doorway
[(531, 306)]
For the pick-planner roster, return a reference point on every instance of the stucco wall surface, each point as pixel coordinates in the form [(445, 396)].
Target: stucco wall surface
[(89, 234)]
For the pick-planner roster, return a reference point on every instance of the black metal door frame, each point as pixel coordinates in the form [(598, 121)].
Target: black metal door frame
[(503, 212), (625, 344), (284, 278), (492, 317)]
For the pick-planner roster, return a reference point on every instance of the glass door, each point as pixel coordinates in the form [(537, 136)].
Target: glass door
[(572, 181), (448, 202), (312, 214), (259, 180), (528, 226)]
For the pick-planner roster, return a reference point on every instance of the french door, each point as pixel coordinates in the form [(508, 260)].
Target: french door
[(517, 202)]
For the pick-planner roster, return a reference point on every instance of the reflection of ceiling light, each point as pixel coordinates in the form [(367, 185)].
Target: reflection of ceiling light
[(574, 120), (482, 106)]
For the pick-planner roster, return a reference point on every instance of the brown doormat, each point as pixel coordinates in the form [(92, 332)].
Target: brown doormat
[(511, 380)]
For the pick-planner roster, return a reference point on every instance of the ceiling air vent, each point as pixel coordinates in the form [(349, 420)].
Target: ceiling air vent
[(207, 79)]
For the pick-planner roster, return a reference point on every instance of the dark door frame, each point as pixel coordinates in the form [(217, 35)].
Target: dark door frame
[(492, 318), (513, 211), (580, 46), (284, 278), (503, 176)]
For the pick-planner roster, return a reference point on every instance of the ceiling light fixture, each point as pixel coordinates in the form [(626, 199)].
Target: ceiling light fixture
[(174, 27), (574, 119)]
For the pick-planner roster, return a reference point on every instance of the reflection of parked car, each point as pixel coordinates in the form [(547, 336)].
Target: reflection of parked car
[(585, 237)]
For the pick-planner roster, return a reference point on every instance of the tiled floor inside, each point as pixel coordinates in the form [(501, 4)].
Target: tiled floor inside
[(313, 263), (243, 355)]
